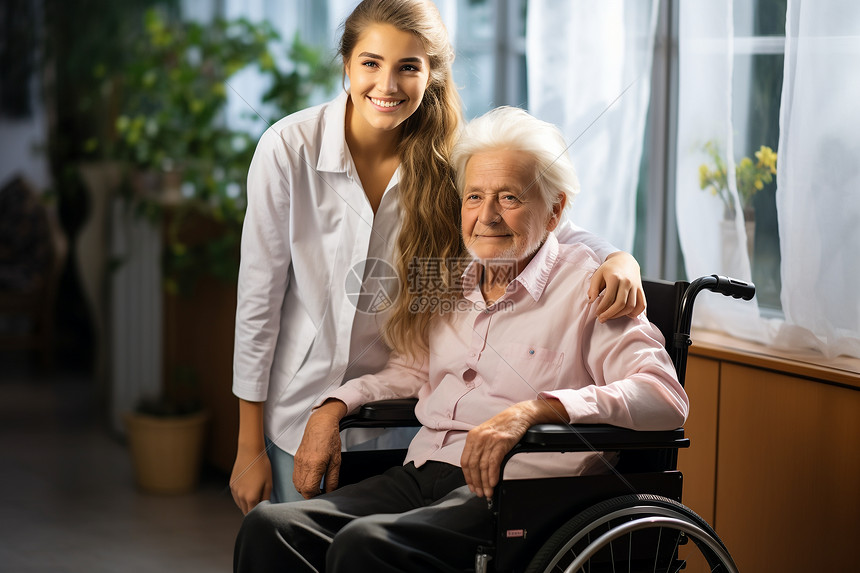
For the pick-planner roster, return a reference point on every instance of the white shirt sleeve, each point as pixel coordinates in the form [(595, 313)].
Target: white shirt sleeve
[(568, 234), (263, 270)]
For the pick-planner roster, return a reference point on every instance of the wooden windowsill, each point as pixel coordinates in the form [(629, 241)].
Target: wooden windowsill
[(806, 363)]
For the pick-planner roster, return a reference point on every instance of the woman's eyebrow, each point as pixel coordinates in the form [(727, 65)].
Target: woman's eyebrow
[(410, 60)]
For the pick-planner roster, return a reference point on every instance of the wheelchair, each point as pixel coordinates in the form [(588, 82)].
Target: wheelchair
[(631, 519)]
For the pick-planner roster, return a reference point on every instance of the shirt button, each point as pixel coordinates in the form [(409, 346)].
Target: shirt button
[(531, 351)]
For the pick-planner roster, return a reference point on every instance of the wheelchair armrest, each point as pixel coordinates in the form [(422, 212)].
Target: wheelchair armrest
[(541, 437), (597, 437), (399, 412)]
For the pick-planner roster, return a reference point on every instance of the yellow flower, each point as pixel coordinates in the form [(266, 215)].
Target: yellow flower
[(766, 158), (750, 176), (703, 175)]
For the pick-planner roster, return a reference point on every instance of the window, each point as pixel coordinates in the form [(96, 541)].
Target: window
[(759, 49), (759, 29), (656, 245), (490, 68)]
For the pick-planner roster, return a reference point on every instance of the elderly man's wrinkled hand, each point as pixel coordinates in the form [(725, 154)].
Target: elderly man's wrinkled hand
[(487, 444), (318, 455), (621, 283)]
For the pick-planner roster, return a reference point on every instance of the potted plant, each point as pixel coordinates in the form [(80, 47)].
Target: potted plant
[(750, 178), (184, 171), (166, 437)]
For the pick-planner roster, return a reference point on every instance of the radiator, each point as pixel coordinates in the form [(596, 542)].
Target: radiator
[(135, 324)]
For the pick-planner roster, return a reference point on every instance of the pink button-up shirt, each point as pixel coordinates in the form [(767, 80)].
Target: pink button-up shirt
[(541, 338)]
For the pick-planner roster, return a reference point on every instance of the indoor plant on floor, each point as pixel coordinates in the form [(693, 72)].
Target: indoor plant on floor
[(166, 437)]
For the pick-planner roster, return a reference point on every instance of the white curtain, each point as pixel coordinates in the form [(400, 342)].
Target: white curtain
[(710, 243), (818, 200), (582, 55), (818, 179)]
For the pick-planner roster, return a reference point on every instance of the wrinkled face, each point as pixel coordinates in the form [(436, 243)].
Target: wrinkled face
[(388, 72), (504, 214)]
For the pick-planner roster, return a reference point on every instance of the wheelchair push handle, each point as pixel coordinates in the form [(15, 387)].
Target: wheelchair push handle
[(728, 286)]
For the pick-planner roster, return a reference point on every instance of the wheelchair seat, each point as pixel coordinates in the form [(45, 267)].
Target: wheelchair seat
[(559, 524)]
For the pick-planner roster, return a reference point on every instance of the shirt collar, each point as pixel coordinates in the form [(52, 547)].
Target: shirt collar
[(533, 278), (334, 154)]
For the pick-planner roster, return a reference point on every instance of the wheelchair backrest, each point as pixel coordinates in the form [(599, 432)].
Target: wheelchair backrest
[(664, 309)]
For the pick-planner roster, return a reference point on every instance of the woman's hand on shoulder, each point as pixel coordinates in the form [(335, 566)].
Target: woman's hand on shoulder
[(620, 281)]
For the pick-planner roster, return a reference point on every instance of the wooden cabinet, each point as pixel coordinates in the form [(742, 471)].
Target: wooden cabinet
[(698, 463), (774, 464)]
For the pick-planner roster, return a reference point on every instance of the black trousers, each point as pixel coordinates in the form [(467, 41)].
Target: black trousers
[(407, 519)]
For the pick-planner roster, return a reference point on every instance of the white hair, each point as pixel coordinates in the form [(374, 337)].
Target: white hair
[(511, 128)]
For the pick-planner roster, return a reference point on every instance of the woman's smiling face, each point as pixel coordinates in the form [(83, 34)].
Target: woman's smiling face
[(388, 72)]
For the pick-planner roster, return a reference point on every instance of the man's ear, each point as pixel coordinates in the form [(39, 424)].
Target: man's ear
[(555, 215)]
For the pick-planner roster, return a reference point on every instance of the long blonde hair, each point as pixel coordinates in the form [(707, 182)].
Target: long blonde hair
[(430, 205)]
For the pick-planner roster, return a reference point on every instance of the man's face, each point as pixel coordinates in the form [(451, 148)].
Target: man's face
[(504, 215)]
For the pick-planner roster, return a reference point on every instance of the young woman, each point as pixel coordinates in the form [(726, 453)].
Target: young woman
[(344, 194)]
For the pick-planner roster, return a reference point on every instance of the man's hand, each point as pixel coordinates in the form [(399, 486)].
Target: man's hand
[(487, 444), (319, 453), (620, 280)]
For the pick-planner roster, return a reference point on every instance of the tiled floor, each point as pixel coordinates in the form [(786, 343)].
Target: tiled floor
[(67, 498)]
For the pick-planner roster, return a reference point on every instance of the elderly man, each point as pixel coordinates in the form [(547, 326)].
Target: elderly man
[(525, 347)]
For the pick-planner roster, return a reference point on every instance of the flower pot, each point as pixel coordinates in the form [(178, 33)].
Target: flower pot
[(167, 452), (730, 244)]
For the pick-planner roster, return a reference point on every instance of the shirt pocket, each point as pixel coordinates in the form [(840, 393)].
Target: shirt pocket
[(523, 370)]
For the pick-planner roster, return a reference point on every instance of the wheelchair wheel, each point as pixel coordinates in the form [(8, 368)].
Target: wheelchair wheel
[(634, 533)]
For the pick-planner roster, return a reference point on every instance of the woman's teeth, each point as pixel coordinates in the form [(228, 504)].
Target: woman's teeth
[(382, 103)]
